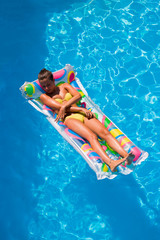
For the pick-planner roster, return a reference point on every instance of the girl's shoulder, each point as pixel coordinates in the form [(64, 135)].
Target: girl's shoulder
[(65, 85)]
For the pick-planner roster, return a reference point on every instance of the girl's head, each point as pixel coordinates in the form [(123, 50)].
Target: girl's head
[(46, 80)]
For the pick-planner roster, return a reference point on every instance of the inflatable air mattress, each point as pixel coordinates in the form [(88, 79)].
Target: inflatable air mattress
[(32, 91)]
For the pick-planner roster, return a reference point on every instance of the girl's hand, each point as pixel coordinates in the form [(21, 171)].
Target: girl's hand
[(88, 113), (61, 114)]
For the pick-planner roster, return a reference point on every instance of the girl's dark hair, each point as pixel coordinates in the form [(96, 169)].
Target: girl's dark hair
[(44, 73)]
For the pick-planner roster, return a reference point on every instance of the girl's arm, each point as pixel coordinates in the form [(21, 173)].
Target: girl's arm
[(58, 106), (50, 102), (76, 96), (73, 109)]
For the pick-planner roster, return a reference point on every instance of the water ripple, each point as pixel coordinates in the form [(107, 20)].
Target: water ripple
[(114, 46)]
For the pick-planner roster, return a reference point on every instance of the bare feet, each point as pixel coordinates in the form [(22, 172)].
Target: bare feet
[(114, 164), (129, 158)]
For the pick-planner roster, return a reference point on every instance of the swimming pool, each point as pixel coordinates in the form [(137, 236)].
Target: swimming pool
[(49, 192)]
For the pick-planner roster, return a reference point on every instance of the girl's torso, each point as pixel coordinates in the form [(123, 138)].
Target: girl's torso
[(61, 95)]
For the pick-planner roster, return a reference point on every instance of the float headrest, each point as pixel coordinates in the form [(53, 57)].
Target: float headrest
[(33, 90)]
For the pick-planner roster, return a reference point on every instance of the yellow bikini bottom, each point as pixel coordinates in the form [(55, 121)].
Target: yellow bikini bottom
[(77, 116)]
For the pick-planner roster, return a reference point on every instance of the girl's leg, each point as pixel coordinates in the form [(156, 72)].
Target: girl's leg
[(81, 129), (98, 128)]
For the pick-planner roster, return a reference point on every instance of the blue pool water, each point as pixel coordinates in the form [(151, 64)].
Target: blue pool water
[(47, 189)]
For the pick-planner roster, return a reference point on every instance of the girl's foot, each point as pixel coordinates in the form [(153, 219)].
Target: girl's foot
[(113, 164)]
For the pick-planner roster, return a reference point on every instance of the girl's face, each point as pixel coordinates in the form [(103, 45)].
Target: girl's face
[(48, 85)]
